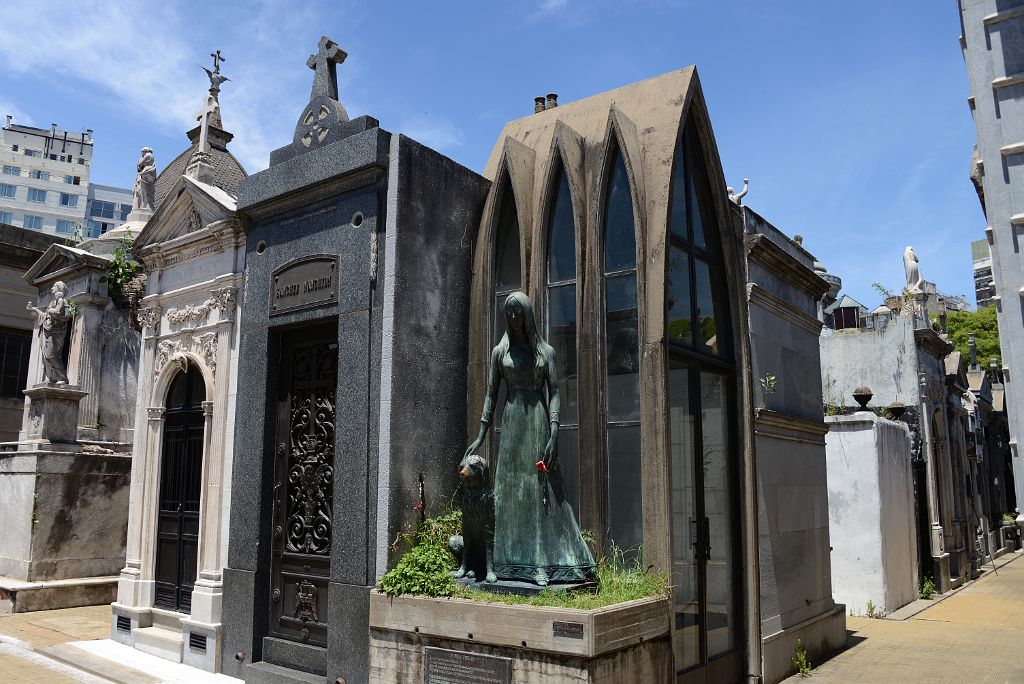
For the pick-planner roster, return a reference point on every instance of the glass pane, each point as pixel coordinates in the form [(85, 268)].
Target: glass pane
[(625, 504), (697, 178), (677, 217), (506, 258), (562, 236), (680, 323), (562, 337), (685, 570), (623, 344), (695, 216), (619, 237), (707, 312), (718, 488), (569, 464)]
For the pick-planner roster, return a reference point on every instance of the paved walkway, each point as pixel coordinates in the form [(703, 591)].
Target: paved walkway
[(72, 646), (974, 635)]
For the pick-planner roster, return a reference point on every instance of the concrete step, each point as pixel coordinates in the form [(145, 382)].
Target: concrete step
[(266, 673), (98, 667), (160, 641), (167, 619)]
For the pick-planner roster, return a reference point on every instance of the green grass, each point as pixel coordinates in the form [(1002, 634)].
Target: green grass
[(424, 570), (618, 581)]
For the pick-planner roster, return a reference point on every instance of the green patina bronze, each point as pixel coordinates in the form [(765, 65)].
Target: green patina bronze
[(536, 538)]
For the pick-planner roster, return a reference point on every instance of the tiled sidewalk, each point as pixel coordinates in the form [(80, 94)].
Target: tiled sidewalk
[(72, 646), (975, 635)]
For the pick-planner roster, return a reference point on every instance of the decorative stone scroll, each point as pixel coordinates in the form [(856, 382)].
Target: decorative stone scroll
[(222, 299), (173, 351)]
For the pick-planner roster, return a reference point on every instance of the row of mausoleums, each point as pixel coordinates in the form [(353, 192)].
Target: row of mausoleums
[(286, 433)]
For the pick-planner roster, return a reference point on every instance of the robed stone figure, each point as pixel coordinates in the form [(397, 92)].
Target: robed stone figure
[(53, 331), (536, 537)]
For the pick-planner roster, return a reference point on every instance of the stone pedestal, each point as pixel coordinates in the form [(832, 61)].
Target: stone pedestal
[(417, 639), (53, 413)]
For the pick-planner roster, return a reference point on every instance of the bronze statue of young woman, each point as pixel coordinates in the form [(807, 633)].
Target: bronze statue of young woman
[(536, 538)]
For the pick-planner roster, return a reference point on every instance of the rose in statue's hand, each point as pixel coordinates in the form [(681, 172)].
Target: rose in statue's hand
[(551, 453)]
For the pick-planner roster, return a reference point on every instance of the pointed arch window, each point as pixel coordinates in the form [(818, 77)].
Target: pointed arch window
[(622, 357), (508, 277), (561, 329), (702, 419)]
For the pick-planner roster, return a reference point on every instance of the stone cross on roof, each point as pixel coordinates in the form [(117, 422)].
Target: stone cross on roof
[(325, 82)]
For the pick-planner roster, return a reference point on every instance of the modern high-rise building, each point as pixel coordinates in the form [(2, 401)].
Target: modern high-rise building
[(992, 41), (984, 285), (44, 183)]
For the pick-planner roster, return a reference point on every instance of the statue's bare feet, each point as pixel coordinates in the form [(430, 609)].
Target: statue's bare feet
[(541, 577)]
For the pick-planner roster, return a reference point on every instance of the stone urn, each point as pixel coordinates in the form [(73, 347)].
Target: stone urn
[(862, 395), (897, 409)]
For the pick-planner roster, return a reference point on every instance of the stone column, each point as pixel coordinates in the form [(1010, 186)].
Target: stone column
[(150, 502), (84, 360), (206, 597), (929, 449)]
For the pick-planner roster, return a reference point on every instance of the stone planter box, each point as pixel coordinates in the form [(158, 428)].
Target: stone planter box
[(625, 642)]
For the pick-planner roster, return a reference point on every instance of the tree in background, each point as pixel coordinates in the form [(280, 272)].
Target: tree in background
[(982, 324)]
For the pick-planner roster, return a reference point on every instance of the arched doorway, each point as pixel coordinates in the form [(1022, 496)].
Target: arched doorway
[(181, 468)]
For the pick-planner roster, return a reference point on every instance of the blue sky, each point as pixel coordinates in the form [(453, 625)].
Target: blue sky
[(849, 118)]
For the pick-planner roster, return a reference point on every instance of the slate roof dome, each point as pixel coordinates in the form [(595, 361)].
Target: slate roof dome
[(227, 171)]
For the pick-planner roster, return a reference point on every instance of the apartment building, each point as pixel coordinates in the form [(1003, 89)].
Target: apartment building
[(44, 183)]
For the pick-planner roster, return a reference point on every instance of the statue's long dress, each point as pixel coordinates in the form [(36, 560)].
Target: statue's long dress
[(54, 332), (529, 534)]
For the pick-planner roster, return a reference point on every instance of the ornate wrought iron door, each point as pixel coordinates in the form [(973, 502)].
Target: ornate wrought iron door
[(181, 478), (303, 485)]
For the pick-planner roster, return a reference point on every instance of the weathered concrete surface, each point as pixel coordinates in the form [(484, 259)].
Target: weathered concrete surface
[(871, 512), (975, 635)]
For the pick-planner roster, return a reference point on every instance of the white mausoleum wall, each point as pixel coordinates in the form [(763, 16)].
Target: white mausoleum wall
[(871, 512)]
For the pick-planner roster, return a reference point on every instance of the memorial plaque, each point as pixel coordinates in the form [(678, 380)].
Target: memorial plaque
[(445, 666), (303, 283), (568, 630)]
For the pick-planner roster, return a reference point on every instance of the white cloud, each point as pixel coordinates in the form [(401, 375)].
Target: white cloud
[(551, 6), (17, 114), (146, 56), (441, 135)]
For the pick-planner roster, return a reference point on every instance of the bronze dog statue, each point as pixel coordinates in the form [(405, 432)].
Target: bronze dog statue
[(477, 541)]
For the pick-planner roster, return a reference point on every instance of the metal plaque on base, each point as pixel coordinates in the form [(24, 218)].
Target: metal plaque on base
[(445, 666)]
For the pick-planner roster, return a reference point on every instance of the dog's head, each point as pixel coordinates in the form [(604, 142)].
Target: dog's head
[(474, 472)]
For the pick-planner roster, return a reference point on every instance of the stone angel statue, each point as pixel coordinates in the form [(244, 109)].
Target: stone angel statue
[(144, 192)]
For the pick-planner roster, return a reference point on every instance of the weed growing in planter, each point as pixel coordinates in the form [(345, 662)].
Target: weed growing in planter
[(426, 566)]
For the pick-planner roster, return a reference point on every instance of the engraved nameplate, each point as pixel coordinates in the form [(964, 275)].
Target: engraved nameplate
[(302, 283), (568, 630), (444, 666)]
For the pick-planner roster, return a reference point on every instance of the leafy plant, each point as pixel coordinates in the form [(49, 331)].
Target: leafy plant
[(769, 383), (121, 271), (72, 308), (832, 405), (927, 588), (874, 611), (800, 660), (960, 325), (425, 569)]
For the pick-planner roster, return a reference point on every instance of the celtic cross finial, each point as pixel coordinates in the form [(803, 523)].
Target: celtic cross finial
[(323, 63), (217, 59)]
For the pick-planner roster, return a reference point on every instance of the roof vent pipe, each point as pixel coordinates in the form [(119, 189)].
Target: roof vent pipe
[(552, 101), (538, 105), (9, 117)]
